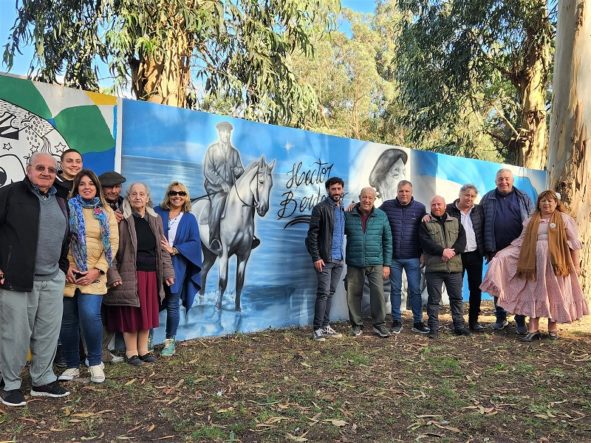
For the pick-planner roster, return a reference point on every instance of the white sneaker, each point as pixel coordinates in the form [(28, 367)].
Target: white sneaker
[(318, 335), (97, 375), (331, 333), (69, 374)]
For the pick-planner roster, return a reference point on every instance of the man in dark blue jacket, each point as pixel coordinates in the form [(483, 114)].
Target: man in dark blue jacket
[(33, 266), (405, 214), (505, 210), (325, 245)]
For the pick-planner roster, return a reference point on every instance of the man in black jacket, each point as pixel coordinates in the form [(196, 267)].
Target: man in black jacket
[(33, 264), (325, 244), (471, 216)]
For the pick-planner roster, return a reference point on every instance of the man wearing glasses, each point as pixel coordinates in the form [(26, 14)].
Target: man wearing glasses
[(33, 263)]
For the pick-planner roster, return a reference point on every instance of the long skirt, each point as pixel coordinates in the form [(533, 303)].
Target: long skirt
[(132, 319)]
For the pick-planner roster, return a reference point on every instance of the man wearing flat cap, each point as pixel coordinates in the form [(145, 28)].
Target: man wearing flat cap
[(389, 169), (111, 183), (221, 167)]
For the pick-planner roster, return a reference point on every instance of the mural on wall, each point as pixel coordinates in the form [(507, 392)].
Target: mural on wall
[(252, 188), (39, 117)]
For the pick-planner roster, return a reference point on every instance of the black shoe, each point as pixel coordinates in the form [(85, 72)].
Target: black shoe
[(477, 327), (521, 330), (396, 327), (215, 246), (381, 331), (433, 335), (54, 390), (499, 325), (420, 328), (13, 397), (462, 331), (531, 336), (148, 358), (255, 242), (134, 360)]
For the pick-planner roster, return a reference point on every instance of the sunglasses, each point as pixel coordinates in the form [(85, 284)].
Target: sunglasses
[(173, 193), (41, 168)]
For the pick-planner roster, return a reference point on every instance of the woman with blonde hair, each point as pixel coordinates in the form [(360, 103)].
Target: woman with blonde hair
[(181, 241), (537, 275), (143, 267)]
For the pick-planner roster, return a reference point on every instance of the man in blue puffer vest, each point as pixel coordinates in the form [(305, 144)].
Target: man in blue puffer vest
[(405, 214), (369, 252)]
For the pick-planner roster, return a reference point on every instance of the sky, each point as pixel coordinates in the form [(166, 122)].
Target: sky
[(21, 62)]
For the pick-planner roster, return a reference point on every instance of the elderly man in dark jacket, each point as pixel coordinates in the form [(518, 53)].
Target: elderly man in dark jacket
[(325, 245), (443, 239), (369, 251), (471, 216), (33, 266)]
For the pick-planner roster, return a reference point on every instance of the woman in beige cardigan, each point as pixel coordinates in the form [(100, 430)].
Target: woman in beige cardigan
[(93, 244), (143, 267)]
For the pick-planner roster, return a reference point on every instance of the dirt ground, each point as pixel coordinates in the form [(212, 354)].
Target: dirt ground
[(279, 385)]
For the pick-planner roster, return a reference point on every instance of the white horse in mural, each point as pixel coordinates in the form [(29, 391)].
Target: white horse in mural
[(250, 192)]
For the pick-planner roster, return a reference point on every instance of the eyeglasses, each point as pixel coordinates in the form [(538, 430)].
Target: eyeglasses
[(41, 168), (173, 193)]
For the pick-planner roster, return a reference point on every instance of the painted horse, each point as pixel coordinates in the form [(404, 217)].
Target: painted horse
[(250, 193)]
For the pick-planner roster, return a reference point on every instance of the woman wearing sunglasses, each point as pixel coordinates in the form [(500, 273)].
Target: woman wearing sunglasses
[(181, 241)]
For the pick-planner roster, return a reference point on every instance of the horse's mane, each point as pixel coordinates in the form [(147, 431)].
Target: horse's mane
[(252, 165)]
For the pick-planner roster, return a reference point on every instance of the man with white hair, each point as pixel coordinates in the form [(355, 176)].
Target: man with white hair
[(33, 266), (443, 239), (505, 210)]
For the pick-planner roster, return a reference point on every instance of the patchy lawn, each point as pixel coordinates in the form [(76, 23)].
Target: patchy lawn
[(281, 385)]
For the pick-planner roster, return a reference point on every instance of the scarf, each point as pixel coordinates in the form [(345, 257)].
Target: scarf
[(78, 229), (557, 247)]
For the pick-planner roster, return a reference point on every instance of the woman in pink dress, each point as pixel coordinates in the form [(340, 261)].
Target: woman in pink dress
[(537, 274)]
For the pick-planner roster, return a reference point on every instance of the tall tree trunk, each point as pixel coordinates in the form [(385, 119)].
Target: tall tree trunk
[(569, 160), (163, 77), (533, 142)]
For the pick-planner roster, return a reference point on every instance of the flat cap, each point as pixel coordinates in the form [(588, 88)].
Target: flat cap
[(224, 126), (111, 178)]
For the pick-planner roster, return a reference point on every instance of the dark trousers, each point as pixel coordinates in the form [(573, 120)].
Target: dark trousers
[(453, 284), (328, 280), (355, 281), (472, 262), (501, 315)]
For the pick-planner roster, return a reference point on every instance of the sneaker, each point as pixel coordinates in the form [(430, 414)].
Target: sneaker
[(420, 328), (462, 331), (148, 358), (134, 360), (521, 330), (477, 327), (318, 335), (499, 325), (329, 332), (69, 374), (169, 347), (396, 327), (14, 397), (53, 390), (97, 375), (109, 357), (381, 331), (356, 331)]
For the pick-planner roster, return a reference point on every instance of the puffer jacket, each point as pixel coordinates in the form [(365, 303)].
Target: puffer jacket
[(125, 267), (372, 247), (95, 253), (404, 222)]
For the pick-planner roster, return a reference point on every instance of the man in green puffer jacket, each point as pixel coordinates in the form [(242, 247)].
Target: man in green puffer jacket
[(369, 253), (443, 239)]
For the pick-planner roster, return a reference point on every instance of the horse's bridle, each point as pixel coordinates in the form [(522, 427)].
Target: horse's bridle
[(256, 196)]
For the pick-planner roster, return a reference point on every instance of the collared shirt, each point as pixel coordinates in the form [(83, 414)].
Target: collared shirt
[(466, 221), (338, 232)]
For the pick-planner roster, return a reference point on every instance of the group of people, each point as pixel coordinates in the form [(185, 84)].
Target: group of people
[(532, 252), (79, 263)]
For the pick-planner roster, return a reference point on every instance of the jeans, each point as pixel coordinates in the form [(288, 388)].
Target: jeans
[(355, 281), (172, 302), (453, 284), (412, 266), (30, 319), (328, 280), (472, 263), (83, 311)]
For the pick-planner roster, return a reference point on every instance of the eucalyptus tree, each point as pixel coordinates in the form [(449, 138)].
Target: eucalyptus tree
[(177, 52), (488, 60)]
